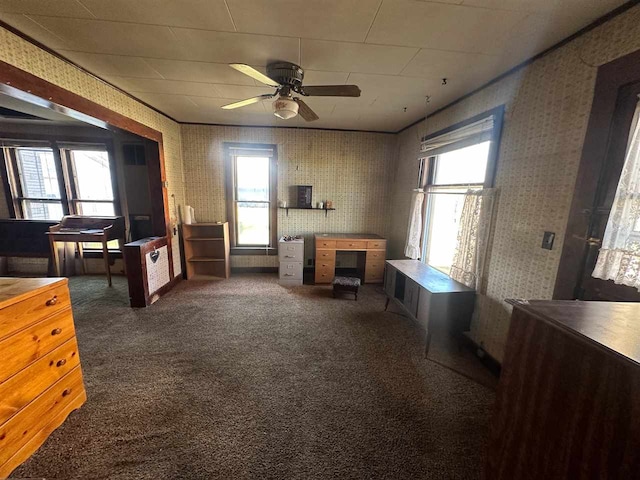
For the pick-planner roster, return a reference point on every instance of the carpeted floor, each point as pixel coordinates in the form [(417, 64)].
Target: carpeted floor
[(244, 379)]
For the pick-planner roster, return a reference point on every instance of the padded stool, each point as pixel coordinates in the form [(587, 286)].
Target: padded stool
[(346, 285)]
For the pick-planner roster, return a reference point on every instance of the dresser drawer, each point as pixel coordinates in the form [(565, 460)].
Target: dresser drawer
[(290, 270), (20, 389), (377, 244), (291, 252), (35, 341), (325, 256), (27, 423), (325, 244), (374, 271), (351, 245), (31, 310)]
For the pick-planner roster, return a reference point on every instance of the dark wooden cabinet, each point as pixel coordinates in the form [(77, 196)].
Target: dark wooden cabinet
[(568, 404)]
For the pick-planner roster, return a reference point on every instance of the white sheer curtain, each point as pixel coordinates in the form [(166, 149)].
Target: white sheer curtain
[(414, 231), (473, 237), (619, 257)]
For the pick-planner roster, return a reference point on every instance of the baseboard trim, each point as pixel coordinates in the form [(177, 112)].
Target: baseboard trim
[(481, 354)]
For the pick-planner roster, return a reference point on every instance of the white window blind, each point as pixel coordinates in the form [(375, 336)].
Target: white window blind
[(476, 132)]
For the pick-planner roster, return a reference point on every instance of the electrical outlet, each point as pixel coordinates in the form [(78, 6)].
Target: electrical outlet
[(547, 240)]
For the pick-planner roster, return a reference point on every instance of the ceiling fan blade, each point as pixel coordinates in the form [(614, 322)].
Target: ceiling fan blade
[(255, 74), (248, 101), (332, 91), (305, 111)]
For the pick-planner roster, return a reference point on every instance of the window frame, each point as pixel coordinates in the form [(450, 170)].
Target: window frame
[(231, 202), (427, 167), (61, 155)]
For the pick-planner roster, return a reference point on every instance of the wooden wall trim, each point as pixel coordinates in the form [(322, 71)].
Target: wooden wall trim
[(25, 86), (73, 105)]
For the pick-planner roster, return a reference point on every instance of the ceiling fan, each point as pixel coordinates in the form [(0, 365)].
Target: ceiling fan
[(286, 78)]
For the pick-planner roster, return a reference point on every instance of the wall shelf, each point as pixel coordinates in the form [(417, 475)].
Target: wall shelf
[(326, 210)]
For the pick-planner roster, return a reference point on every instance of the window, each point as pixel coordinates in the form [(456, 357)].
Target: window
[(37, 186), (251, 197), (455, 160), (47, 183), (453, 173), (92, 191)]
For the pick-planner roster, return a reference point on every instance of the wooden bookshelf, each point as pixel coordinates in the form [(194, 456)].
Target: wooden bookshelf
[(206, 250)]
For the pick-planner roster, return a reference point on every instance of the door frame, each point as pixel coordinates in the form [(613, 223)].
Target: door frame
[(611, 78)]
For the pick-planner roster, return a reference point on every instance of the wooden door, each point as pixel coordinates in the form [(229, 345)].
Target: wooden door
[(614, 100), (588, 287)]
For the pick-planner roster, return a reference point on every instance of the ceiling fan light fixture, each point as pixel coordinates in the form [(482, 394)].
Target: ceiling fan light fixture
[(285, 108)]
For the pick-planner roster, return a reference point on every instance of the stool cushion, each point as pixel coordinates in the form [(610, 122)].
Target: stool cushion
[(347, 281)]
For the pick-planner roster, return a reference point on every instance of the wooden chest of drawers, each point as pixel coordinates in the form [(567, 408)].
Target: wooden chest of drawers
[(40, 377)]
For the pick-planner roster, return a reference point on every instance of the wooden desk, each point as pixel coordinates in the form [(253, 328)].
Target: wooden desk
[(429, 296), (40, 375), (568, 402), (327, 244), (79, 229)]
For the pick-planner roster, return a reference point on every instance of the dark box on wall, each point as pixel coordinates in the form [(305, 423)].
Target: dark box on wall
[(303, 196)]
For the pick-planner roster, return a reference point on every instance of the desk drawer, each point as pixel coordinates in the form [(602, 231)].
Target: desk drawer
[(291, 252), (325, 271), (376, 256), (32, 343), (351, 245), (325, 256), (374, 272), (325, 244), (20, 389), (34, 309), (290, 270), (17, 432), (377, 244)]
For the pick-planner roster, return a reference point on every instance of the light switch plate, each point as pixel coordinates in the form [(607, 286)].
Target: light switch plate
[(547, 240)]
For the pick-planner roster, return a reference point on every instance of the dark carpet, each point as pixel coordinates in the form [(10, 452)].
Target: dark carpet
[(244, 379)]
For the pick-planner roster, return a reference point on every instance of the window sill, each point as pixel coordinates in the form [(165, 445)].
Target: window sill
[(253, 251)]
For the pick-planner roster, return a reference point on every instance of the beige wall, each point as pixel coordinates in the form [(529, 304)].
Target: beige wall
[(349, 168), (22, 54), (548, 105)]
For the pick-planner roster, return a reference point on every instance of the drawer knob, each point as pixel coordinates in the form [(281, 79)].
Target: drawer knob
[(288, 256), (66, 391), (56, 331), (351, 244), (52, 301), (288, 274), (61, 362)]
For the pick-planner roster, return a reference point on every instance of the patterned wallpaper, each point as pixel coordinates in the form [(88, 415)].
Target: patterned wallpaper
[(349, 168), (548, 105), (26, 56)]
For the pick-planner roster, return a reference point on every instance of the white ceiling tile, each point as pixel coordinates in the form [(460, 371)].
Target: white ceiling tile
[(316, 77), (55, 8), (173, 87), (579, 8), (217, 103), (101, 64), (444, 64), (198, 72), (442, 26), (33, 29), (354, 57), (347, 20), (206, 14), (222, 47), (97, 36), (241, 92), (392, 85)]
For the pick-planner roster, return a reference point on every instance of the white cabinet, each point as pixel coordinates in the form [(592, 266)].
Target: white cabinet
[(291, 257)]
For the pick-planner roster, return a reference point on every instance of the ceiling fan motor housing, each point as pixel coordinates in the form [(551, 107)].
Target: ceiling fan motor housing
[(287, 74)]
